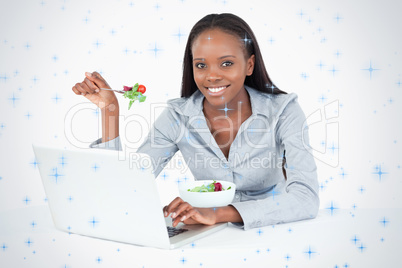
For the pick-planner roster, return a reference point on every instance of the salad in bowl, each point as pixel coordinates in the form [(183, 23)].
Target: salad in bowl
[(207, 193)]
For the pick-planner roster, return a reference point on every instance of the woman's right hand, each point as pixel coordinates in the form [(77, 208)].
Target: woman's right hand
[(90, 88)]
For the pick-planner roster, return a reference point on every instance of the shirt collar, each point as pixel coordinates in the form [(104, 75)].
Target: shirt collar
[(194, 104)]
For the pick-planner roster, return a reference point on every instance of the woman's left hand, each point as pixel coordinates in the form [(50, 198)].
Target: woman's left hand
[(183, 211)]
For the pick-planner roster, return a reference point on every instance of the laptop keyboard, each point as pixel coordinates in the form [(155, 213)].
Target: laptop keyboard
[(172, 231)]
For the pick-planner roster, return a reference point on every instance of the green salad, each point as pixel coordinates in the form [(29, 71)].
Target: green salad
[(134, 93), (212, 187)]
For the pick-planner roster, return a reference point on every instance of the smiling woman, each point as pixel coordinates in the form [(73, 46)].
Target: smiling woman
[(231, 124)]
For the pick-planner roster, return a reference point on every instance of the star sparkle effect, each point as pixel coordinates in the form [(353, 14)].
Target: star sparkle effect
[(333, 70), (321, 65), (4, 77), (361, 247), (29, 242), (35, 79), (304, 75), (95, 167), (370, 69), (56, 98), (55, 174), (273, 192), (355, 239), (337, 18), (156, 50), (246, 40), (322, 98), (28, 115), (310, 252), (384, 222), (27, 46), (62, 161), (379, 172), (14, 99), (226, 109), (98, 260), (332, 208), (179, 35), (272, 87), (26, 200), (34, 163), (164, 176), (178, 181), (333, 148), (94, 222), (97, 44), (183, 260), (343, 173), (301, 14)]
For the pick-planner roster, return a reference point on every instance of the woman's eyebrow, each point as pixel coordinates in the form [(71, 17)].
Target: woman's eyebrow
[(226, 56)]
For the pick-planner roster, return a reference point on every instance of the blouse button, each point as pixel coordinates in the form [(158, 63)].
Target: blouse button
[(237, 196)]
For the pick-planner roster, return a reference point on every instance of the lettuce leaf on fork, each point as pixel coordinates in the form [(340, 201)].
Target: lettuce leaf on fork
[(134, 95)]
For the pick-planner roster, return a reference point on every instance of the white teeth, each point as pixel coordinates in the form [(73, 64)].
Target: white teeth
[(216, 89)]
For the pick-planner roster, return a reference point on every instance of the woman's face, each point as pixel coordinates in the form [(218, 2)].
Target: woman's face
[(220, 67)]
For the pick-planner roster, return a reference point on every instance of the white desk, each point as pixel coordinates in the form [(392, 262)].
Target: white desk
[(348, 238)]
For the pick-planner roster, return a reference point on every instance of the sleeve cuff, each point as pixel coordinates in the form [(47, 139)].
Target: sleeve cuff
[(114, 144), (247, 210), (239, 225)]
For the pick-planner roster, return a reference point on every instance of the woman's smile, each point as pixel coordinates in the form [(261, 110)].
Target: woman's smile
[(217, 91)]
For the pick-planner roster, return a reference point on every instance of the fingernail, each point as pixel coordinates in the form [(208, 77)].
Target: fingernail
[(83, 94), (166, 214), (174, 215), (183, 218), (97, 90), (88, 74)]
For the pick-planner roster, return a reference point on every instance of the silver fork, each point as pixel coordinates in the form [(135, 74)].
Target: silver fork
[(118, 91)]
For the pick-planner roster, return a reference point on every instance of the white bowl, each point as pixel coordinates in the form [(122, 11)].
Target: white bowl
[(207, 199)]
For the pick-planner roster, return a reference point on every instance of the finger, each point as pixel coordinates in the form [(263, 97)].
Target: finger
[(165, 213), (172, 206), (91, 86), (97, 79), (181, 209), (86, 88), (175, 222), (191, 213), (82, 91), (76, 91), (191, 216)]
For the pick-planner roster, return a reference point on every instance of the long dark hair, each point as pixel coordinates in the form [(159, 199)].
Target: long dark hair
[(231, 24)]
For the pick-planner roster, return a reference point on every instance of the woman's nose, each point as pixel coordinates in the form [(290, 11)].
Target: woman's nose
[(214, 75)]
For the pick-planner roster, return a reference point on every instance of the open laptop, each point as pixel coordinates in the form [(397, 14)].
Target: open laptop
[(105, 194)]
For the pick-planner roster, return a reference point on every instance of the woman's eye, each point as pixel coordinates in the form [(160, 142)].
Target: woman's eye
[(200, 65), (227, 64)]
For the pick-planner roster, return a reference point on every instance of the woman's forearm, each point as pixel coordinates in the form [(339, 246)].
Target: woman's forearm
[(227, 214), (110, 122)]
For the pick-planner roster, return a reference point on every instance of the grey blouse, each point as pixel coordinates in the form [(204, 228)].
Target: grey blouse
[(276, 128)]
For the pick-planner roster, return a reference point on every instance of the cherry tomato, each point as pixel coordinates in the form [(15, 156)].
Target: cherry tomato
[(141, 89)]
